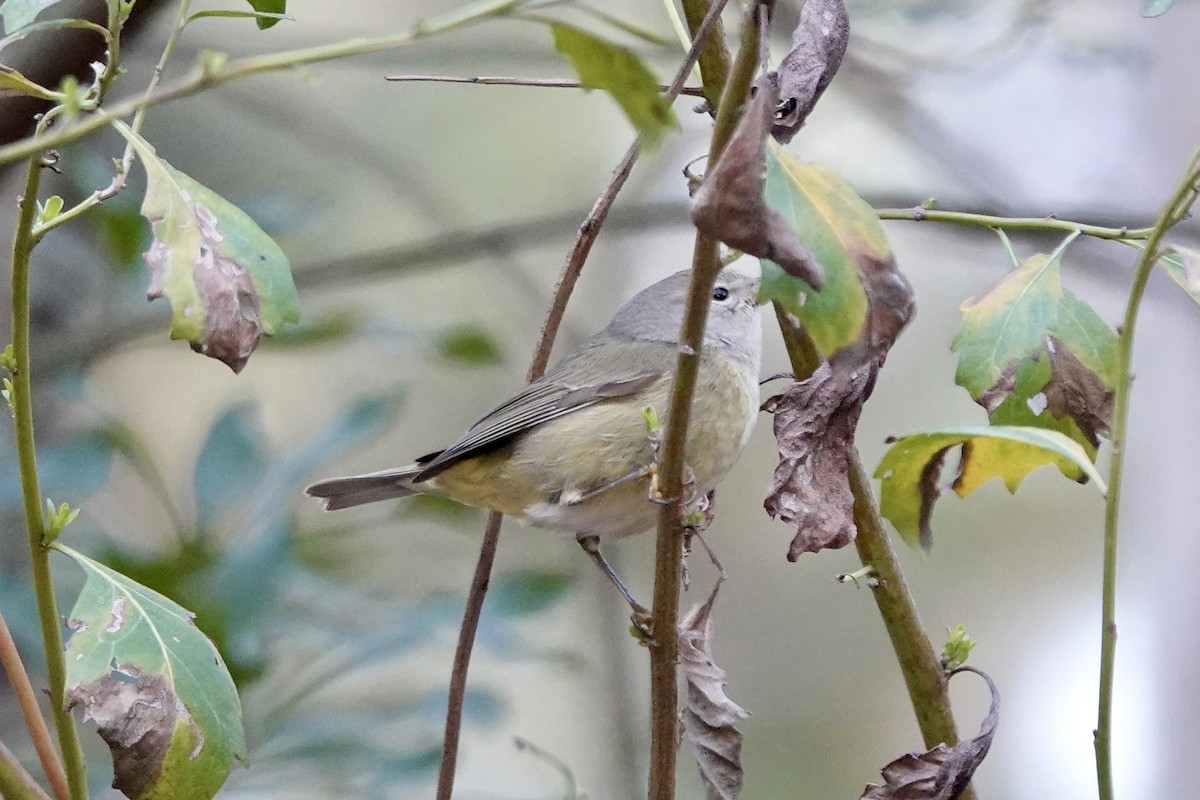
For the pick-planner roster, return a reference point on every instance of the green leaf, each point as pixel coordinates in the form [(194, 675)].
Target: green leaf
[(19, 13), (155, 686), (957, 649), (11, 79), (528, 592), (468, 344), (269, 7), (1032, 353), (229, 283), (910, 469), (1154, 8), (840, 229), (1183, 265), (600, 64), (231, 464)]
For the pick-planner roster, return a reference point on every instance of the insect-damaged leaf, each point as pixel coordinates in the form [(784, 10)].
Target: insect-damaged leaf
[(818, 45), (865, 298), (1034, 354), (154, 685), (910, 469), (709, 716), (814, 422), (730, 207), (943, 772), (228, 282), (1183, 265), (600, 64)]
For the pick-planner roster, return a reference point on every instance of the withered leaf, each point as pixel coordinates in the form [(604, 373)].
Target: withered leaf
[(943, 772), (709, 716), (815, 420), (818, 45), (730, 207), (228, 282)]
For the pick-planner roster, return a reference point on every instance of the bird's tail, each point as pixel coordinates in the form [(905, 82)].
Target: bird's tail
[(359, 489)]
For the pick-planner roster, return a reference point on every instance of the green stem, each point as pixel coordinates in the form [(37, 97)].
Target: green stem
[(919, 662), (714, 56), (22, 406), (218, 74), (1175, 210), (706, 264), (920, 214)]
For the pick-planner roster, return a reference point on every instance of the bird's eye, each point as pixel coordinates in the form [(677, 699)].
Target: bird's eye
[(720, 294)]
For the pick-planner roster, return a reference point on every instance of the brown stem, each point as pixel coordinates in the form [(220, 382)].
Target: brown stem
[(462, 655), (668, 559), (39, 732), (589, 229)]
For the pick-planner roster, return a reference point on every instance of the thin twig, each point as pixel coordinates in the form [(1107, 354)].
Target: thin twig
[(589, 229), (668, 558), (15, 782), (497, 80), (1173, 212), (921, 214), (18, 678), (462, 655)]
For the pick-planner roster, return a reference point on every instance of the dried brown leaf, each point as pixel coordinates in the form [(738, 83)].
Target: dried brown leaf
[(815, 421), (729, 204), (943, 772), (137, 716), (709, 716), (818, 45)]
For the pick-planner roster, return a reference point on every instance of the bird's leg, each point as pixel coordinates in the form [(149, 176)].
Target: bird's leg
[(577, 498), (641, 615)]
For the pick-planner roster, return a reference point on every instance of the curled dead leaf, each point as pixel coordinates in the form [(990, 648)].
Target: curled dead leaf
[(818, 45), (138, 715), (729, 204), (709, 716), (815, 420), (943, 772)]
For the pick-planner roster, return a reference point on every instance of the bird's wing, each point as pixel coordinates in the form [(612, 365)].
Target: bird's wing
[(557, 394)]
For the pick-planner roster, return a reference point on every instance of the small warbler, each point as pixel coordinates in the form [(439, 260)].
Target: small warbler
[(573, 450)]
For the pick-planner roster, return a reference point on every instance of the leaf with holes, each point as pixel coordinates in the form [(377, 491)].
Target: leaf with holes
[(845, 235), (1032, 353), (600, 64), (229, 283), (911, 468), (154, 685)]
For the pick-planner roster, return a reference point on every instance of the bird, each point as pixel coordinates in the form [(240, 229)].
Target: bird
[(573, 451)]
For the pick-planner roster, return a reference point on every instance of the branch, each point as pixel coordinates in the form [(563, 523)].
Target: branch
[(1173, 212), (589, 229), (18, 678), (21, 398), (921, 214), (706, 263), (215, 72)]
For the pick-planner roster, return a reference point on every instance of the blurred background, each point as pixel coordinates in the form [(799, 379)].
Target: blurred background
[(426, 225)]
